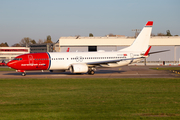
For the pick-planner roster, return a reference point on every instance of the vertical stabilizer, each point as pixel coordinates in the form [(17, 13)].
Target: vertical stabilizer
[(142, 41)]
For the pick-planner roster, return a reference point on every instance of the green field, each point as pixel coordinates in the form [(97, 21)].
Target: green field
[(7, 69), (94, 99)]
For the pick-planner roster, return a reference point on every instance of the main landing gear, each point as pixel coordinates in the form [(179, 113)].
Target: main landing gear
[(91, 71)]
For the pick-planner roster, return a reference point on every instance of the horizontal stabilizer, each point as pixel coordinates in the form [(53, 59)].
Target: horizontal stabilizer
[(158, 52)]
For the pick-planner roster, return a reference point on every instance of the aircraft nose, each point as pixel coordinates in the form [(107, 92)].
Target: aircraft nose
[(10, 64)]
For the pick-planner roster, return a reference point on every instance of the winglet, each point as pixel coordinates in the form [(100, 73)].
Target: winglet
[(149, 23), (147, 52)]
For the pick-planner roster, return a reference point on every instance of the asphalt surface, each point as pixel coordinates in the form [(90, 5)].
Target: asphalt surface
[(120, 72)]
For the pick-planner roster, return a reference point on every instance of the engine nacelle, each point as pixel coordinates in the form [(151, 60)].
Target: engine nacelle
[(78, 68)]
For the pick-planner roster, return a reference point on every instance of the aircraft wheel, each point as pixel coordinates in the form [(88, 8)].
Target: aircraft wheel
[(91, 72), (23, 74)]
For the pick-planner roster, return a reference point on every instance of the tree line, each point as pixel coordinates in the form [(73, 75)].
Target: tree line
[(28, 41), (168, 33)]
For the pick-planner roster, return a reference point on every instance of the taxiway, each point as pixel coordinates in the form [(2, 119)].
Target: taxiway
[(121, 72)]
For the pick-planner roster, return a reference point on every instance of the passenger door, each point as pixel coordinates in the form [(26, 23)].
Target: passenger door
[(30, 59)]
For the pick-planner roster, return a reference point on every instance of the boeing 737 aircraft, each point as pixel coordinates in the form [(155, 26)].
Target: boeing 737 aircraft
[(85, 62)]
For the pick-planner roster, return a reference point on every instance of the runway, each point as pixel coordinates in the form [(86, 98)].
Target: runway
[(121, 72)]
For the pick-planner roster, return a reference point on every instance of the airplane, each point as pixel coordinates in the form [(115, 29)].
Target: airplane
[(85, 62)]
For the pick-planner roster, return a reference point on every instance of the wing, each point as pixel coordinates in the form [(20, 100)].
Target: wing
[(111, 61), (118, 60)]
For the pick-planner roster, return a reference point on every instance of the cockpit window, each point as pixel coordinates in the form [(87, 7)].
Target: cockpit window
[(18, 59)]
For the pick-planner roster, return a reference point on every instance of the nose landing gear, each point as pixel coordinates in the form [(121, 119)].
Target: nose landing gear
[(23, 74), (22, 71)]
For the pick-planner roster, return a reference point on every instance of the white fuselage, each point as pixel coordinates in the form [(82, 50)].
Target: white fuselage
[(63, 60)]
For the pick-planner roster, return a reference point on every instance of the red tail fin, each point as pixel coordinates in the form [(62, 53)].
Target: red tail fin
[(149, 23)]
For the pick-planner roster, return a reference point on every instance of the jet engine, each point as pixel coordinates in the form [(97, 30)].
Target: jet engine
[(78, 68)]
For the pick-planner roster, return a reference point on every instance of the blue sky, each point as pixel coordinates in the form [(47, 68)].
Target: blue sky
[(39, 18)]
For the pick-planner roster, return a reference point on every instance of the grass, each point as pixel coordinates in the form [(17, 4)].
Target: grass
[(7, 69), (166, 68), (94, 99)]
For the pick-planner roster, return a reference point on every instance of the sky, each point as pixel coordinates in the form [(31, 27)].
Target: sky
[(37, 19)]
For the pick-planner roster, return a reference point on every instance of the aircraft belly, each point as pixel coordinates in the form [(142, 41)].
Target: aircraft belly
[(118, 64), (137, 60)]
